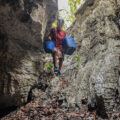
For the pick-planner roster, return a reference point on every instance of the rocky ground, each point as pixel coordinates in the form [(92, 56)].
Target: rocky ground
[(54, 109)]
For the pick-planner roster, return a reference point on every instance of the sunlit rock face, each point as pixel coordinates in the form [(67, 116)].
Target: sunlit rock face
[(97, 34), (23, 24)]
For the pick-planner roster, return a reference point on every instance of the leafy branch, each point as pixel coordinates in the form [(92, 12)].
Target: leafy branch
[(68, 16)]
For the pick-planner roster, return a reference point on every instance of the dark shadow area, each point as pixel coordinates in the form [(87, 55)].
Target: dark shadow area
[(101, 111), (13, 3), (14, 48), (5, 111), (42, 87), (3, 41), (20, 42), (116, 18), (24, 17)]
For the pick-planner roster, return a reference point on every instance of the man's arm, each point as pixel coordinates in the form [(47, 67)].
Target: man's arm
[(50, 35)]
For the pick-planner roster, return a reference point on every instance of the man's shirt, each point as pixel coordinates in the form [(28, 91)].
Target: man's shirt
[(57, 37)]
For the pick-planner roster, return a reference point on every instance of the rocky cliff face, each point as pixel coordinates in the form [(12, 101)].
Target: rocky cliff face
[(92, 71), (95, 73), (23, 24)]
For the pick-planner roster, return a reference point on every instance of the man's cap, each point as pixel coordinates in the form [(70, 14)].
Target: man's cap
[(60, 21)]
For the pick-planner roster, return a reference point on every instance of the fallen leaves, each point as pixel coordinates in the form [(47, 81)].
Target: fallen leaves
[(35, 111), (52, 110)]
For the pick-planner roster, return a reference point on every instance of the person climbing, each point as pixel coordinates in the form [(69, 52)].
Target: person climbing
[(57, 35)]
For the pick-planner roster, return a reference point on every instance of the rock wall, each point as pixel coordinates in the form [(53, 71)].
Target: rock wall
[(94, 74), (23, 24), (92, 71)]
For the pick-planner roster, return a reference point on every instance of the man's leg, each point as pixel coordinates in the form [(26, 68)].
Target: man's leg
[(61, 59), (55, 59), (60, 63)]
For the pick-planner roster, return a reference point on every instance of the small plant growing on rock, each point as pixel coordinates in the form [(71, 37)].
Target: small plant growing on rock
[(79, 60), (49, 67)]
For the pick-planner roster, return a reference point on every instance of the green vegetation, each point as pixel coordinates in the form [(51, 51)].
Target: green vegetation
[(49, 67), (74, 4), (69, 16), (79, 60)]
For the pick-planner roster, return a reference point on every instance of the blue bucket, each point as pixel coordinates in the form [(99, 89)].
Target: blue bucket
[(69, 45), (49, 46)]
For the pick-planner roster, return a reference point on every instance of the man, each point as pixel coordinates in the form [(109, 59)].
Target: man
[(57, 35)]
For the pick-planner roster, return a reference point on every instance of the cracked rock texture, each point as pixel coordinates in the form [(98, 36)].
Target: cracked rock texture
[(23, 24), (95, 75)]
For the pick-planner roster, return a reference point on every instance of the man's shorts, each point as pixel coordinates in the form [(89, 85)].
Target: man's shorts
[(58, 52)]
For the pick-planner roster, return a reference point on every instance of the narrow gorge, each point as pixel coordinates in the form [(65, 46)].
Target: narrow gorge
[(91, 74)]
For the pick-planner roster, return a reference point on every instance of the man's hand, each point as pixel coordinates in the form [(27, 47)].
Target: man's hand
[(49, 38)]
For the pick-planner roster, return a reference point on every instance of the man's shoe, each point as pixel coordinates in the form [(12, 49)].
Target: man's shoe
[(59, 74), (56, 69)]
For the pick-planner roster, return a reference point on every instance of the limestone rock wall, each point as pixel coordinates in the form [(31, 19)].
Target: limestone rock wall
[(95, 73), (92, 71), (23, 24)]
